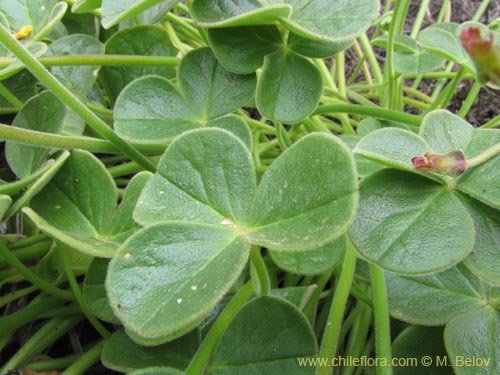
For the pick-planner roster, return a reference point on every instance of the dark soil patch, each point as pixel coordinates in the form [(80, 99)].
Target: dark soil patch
[(487, 103)]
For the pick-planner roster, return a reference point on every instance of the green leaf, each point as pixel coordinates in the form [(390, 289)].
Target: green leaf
[(22, 85), (43, 176), (482, 182), (484, 261), (420, 62), (83, 6), (79, 79), (475, 337), (336, 21), (392, 147), (409, 58), (122, 223), (68, 210), (115, 11), (403, 219), (307, 197), (226, 13), (197, 181), (289, 87), (141, 114), (235, 125), (266, 337), (51, 268), (44, 113), (364, 166), (445, 132), (293, 294), (42, 15), (36, 48), (157, 371), (316, 48), (206, 91), (94, 293), (144, 40), (5, 202), (122, 354), (166, 278), (82, 23), (209, 88), (435, 299), (402, 43), (416, 342), (442, 40), (242, 50), (311, 262)]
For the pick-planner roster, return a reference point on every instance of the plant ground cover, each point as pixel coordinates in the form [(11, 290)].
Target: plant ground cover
[(249, 187)]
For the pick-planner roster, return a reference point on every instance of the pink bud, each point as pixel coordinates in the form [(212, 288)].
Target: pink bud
[(450, 164), (484, 53)]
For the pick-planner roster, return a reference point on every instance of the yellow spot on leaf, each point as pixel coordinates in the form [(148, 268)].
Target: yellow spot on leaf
[(24, 32)]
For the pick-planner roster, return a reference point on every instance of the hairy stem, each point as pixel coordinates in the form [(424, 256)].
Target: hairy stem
[(381, 319), (329, 342)]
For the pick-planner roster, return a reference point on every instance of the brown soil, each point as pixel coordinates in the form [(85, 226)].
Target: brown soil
[(487, 104)]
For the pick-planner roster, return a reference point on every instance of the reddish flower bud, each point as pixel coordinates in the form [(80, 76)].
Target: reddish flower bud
[(484, 53), (450, 164)]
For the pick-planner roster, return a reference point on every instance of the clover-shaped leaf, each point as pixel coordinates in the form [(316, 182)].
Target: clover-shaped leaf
[(317, 19), (44, 113), (116, 11), (421, 342), (475, 336), (442, 40), (403, 218), (484, 260), (151, 109), (67, 210), (191, 266), (228, 13), (409, 57), (289, 87), (122, 354), (79, 79), (434, 300), (93, 291), (311, 262), (41, 15), (331, 21), (144, 40), (307, 197), (276, 334), (407, 196), (202, 212), (392, 147), (243, 49), (206, 177)]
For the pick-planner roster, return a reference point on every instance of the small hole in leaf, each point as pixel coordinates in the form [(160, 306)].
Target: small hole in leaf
[(179, 301)]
